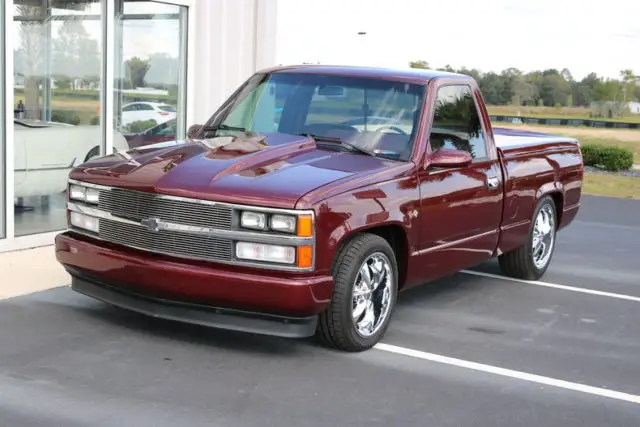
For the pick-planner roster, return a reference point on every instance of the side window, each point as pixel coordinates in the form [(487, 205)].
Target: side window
[(128, 108), (456, 122)]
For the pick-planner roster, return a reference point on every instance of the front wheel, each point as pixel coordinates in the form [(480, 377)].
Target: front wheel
[(532, 260), (365, 291)]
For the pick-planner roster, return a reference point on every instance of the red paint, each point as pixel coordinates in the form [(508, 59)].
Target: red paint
[(460, 222), (196, 282)]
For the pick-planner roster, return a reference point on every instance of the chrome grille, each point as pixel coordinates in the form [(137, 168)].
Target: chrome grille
[(137, 205), (166, 242)]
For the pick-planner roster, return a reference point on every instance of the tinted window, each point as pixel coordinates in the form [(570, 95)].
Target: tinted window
[(456, 122)]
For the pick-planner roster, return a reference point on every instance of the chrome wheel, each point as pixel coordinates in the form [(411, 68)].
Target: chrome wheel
[(543, 236), (372, 294)]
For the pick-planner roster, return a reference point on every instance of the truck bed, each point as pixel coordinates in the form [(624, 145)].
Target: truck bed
[(512, 140)]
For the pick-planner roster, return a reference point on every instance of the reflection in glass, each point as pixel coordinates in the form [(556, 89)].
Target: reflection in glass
[(376, 115), (57, 81), (456, 122), (150, 52), (3, 134)]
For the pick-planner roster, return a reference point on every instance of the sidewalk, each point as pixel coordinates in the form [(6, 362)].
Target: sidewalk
[(30, 270)]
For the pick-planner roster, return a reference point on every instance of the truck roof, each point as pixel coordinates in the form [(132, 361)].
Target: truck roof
[(414, 75)]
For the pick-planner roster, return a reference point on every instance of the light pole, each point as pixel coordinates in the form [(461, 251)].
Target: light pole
[(361, 35)]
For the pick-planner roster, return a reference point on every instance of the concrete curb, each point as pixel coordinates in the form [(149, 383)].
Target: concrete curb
[(30, 270)]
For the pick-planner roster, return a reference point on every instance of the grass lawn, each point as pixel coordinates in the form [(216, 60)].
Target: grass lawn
[(612, 185), (556, 113)]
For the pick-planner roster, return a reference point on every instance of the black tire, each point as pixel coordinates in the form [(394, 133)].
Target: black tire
[(336, 327), (95, 151), (520, 263)]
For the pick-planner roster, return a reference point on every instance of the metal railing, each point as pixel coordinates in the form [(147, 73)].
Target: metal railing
[(565, 122)]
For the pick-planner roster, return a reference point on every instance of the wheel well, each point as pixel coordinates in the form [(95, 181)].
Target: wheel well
[(397, 239), (558, 200)]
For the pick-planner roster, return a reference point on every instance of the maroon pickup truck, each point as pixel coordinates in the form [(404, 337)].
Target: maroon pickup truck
[(311, 198)]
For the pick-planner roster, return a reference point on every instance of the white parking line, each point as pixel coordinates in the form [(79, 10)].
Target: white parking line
[(553, 382), (553, 285)]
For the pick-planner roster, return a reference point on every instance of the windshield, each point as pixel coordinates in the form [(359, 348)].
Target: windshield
[(378, 116)]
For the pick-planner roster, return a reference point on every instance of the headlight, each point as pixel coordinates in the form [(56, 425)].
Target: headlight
[(91, 195), (266, 253), (83, 194), (300, 225), (284, 223), (84, 221), (76, 192), (253, 220)]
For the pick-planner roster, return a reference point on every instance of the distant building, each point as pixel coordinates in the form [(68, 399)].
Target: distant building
[(612, 109)]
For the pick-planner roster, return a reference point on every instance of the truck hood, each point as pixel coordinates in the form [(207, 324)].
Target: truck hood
[(275, 169)]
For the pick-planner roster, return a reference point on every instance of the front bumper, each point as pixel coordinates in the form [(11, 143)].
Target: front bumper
[(261, 302)]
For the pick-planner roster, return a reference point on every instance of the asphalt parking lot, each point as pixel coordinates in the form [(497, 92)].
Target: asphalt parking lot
[(468, 350)]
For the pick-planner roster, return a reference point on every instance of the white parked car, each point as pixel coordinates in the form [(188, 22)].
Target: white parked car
[(45, 152), (142, 111)]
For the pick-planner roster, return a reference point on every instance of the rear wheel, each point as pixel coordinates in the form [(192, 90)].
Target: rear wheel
[(531, 261), (365, 291)]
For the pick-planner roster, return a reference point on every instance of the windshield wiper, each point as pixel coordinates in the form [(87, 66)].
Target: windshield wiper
[(222, 126), (351, 146)]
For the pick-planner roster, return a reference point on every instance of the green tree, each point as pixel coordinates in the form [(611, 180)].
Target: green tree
[(551, 87), (30, 56), (419, 64), (75, 53), (584, 91), (136, 70), (629, 84)]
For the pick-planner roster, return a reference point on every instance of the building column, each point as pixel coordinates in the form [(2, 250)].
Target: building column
[(234, 38)]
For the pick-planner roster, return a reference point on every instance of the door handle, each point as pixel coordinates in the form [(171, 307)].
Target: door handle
[(492, 182)]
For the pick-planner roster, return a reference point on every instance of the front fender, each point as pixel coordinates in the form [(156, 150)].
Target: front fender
[(391, 203)]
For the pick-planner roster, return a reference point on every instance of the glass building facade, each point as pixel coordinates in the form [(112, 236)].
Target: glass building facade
[(87, 77)]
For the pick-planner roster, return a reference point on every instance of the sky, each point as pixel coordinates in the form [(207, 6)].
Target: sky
[(490, 35)]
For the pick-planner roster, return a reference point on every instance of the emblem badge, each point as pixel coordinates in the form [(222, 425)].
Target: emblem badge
[(151, 224)]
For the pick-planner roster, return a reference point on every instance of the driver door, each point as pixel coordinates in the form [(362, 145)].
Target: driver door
[(461, 207)]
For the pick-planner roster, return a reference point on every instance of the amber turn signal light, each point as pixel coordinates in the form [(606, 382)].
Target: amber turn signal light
[(305, 226), (305, 256)]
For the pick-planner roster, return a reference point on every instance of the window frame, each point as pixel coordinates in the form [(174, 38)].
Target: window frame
[(483, 130), (9, 241)]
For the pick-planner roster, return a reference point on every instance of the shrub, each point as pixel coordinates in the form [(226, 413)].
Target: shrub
[(65, 116), (141, 125), (606, 157), (95, 120)]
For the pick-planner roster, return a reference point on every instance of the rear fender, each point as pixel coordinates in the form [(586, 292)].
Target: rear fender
[(548, 189)]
